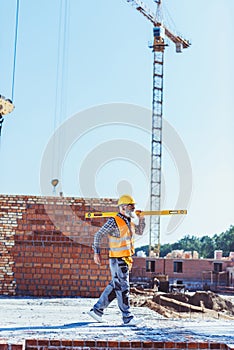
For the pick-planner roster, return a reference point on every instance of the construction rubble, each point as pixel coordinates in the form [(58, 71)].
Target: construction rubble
[(184, 305)]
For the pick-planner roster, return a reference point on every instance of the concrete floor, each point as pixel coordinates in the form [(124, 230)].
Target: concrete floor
[(67, 318)]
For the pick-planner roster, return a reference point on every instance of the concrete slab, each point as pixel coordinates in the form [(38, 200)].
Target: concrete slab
[(67, 318)]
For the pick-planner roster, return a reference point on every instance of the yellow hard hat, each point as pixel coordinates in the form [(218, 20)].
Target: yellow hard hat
[(126, 199)]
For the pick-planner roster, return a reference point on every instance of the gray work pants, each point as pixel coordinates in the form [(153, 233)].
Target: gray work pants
[(118, 288)]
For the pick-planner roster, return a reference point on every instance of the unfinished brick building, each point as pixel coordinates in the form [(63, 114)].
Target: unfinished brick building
[(186, 273)]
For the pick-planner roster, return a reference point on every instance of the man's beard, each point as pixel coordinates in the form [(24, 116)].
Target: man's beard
[(133, 216)]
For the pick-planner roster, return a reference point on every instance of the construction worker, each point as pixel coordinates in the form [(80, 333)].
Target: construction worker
[(120, 230)]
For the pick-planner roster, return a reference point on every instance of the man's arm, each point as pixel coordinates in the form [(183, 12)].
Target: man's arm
[(139, 229), (108, 228)]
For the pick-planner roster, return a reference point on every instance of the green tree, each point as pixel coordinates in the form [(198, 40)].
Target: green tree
[(225, 241), (144, 248), (207, 247), (165, 249), (190, 243)]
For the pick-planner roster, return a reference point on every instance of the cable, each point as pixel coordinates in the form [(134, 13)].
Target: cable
[(61, 83), (15, 49), (64, 76), (170, 22)]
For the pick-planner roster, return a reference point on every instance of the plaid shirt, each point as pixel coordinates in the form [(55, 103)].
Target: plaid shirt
[(111, 228)]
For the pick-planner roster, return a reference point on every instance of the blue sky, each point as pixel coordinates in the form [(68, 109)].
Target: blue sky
[(107, 61)]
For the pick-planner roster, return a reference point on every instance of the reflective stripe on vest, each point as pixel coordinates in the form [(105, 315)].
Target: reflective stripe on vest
[(122, 246)]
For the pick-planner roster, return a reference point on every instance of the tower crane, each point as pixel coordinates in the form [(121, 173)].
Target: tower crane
[(160, 32)]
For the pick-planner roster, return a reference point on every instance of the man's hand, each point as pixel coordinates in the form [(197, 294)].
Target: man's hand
[(141, 219), (97, 259)]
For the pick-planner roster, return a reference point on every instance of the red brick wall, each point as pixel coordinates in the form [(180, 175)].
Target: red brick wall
[(45, 246), (46, 344)]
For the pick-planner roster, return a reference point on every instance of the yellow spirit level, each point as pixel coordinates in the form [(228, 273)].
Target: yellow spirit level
[(93, 215)]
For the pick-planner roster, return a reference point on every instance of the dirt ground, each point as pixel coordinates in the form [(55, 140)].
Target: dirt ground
[(184, 305), (67, 318)]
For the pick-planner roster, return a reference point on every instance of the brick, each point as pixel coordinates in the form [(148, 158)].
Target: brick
[(147, 344), (169, 345), (158, 345), (77, 343), (90, 343), (31, 344), (192, 345), (42, 342), (215, 346), (67, 343), (56, 343), (124, 344), (203, 345), (112, 344), (3, 347), (101, 343), (16, 346), (136, 344)]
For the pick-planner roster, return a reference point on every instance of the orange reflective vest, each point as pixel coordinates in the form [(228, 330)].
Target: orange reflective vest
[(122, 246)]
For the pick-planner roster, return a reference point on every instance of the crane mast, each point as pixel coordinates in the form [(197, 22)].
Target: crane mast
[(158, 47)]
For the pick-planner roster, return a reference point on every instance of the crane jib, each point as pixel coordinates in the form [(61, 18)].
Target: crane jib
[(141, 7)]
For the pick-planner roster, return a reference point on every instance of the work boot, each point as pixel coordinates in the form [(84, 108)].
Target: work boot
[(94, 315), (133, 322)]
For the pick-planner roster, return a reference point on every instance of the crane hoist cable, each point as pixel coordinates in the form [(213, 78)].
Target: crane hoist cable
[(15, 50), (168, 19), (6, 105), (61, 85)]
